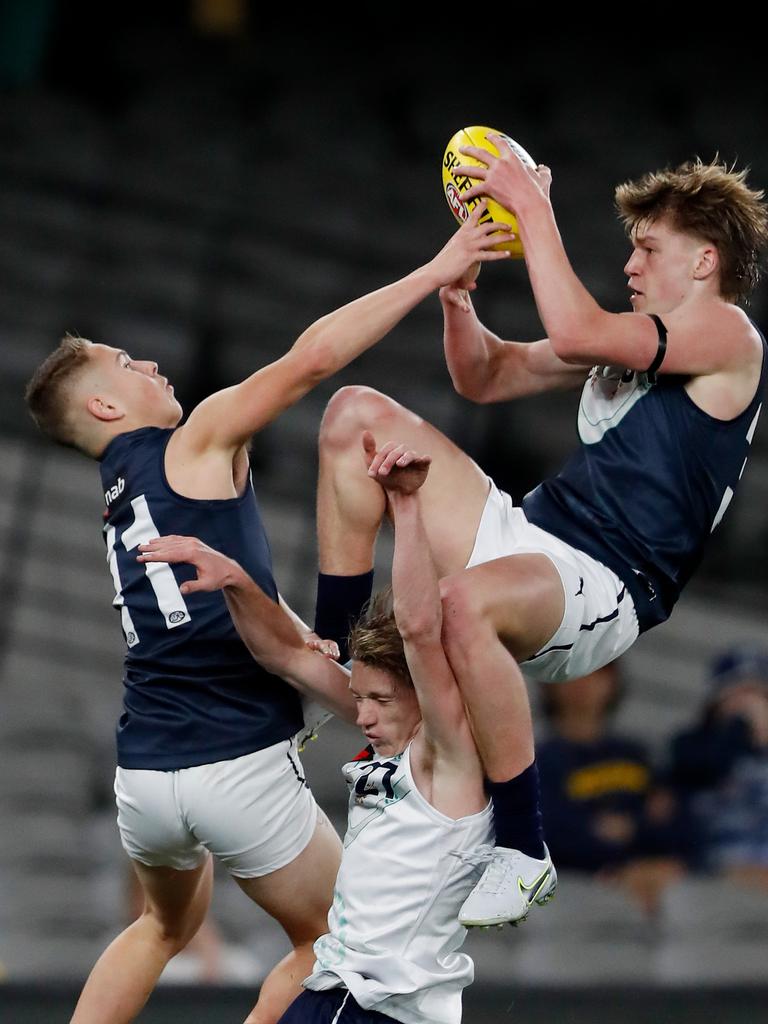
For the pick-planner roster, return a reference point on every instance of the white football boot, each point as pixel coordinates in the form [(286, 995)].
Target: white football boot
[(510, 885)]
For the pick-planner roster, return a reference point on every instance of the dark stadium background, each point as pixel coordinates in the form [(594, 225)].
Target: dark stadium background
[(199, 197)]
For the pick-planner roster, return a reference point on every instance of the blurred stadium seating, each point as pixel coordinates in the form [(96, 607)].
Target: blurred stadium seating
[(201, 206)]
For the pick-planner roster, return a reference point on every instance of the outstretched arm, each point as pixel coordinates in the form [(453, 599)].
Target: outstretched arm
[(417, 605), (266, 629), (227, 419)]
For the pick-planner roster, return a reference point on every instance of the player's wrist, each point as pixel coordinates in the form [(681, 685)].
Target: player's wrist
[(235, 578), (431, 277), (404, 501)]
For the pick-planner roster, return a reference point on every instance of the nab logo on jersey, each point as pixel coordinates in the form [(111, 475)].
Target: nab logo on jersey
[(114, 491)]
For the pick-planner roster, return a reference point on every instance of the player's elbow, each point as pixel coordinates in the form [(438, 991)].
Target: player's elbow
[(315, 352), (576, 337), (567, 346), (422, 625), (476, 382), (470, 388), (317, 363), (292, 663)]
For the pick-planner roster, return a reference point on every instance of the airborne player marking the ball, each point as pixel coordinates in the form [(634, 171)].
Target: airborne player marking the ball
[(671, 395), (206, 751)]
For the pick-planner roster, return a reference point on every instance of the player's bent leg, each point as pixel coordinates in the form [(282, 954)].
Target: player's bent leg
[(299, 897), (175, 905), (493, 614), (351, 506)]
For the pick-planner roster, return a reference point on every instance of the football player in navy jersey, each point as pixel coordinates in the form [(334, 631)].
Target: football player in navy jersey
[(671, 394), (207, 759)]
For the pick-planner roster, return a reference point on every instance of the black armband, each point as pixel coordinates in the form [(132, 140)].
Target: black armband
[(661, 351)]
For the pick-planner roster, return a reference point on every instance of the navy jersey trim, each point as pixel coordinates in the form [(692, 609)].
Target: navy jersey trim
[(197, 502)]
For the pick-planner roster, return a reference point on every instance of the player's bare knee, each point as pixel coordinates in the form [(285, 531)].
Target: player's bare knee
[(351, 410), (346, 415), (173, 935)]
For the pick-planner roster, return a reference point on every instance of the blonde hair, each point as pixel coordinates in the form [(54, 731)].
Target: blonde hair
[(48, 391), (375, 640), (711, 201)]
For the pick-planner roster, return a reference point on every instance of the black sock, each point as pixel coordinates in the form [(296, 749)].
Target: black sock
[(516, 812), (340, 599)]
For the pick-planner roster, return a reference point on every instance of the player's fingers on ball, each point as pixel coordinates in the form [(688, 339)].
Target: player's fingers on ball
[(495, 254), (490, 226), (476, 192), (475, 213), (470, 171), (477, 154)]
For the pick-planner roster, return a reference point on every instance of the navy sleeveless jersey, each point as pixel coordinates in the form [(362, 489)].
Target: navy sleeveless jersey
[(652, 478), (193, 693)]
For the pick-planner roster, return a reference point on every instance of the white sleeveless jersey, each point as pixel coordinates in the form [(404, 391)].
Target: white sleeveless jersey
[(393, 928)]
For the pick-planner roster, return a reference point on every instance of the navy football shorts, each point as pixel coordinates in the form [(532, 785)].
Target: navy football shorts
[(334, 1006)]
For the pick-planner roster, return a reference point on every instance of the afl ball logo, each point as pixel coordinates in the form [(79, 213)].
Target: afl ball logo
[(175, 617), (454, 201)]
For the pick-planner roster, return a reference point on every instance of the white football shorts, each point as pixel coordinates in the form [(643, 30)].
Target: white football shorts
[(599, 622), (254, 813)]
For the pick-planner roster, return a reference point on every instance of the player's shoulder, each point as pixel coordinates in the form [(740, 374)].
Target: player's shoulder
[(188, 444), (726, 325), (738, 328)]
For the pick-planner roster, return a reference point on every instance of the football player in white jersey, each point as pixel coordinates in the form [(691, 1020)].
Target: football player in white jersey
[(419, 818)]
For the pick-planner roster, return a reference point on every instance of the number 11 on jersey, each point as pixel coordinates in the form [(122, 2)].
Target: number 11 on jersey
[(170, 601)]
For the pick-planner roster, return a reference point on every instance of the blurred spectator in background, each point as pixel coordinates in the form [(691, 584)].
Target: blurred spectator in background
[(720, 767), (604, 811)]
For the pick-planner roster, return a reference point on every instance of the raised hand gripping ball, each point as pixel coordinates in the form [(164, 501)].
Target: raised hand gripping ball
[(454, 185)]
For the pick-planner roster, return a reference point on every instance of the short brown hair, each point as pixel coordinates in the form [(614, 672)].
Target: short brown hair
[(711, 201), (374, 639), (48, 390)]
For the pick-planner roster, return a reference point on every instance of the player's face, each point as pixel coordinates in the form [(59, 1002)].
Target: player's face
[(387, 710), (662, 267), (135, 385)]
